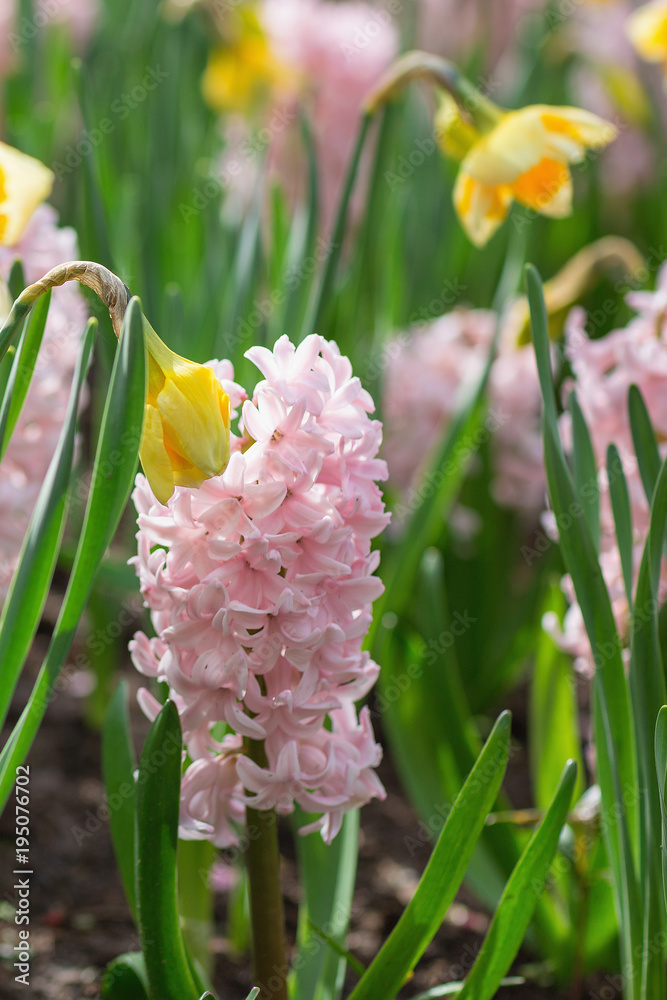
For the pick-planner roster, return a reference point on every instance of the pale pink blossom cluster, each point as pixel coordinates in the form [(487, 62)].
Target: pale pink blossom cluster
[(260, 585), (604, 370), (33, 443), (337, 53), (17, 33), (430, 371)]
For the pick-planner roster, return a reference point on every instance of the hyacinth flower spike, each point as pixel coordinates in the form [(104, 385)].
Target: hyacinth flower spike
[(185, 438), (505, 156)]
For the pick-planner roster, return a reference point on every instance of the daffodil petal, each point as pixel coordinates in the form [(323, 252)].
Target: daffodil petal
[(191, 405), (154, 458), (24, 184), (547, 189), (647, 30), (481, 208)]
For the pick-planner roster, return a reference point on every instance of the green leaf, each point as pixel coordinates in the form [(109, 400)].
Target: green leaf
[(511, 919), (644, 441), (322, 289), (620, 505), (585, 471), (125, 978), (158, 797), (614, 724), (553, 713), (661, 766), (30, 584), (111, 482), (647, 685), (118, 767), (22, 369), (16, 282), (452, 989), (443, 875), (327, 876)]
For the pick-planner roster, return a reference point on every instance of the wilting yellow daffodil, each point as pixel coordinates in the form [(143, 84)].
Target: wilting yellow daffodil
[(525, 157), (24, 184), (647, 28), (186, 427), (243, 69)]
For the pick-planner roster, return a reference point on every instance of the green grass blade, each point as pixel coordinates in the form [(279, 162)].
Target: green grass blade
[(620, 505), (511, 919), (327, 875), (30, 584), (644, 441), (22, 370), (443, 875), (112, 479), (585, 471), (16, 282), (118, 767), (158, 796)]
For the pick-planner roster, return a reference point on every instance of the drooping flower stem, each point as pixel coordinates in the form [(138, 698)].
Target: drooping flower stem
[(266, 902), (111, 290), (444, 74)]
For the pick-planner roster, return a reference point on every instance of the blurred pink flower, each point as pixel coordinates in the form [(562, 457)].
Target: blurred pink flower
[(260, 586), (337, 52), (16, 32), (604, 370), (42, 246), (429, 372)]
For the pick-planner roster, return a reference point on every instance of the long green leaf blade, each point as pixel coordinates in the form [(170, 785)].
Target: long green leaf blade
[(620, 505), (112, 478), (30, 584), (22, 370), (644, 441), (511, 919), (585, 471), (158, 796), (443, 875), (661, 767), (327, 878), (118, 767)]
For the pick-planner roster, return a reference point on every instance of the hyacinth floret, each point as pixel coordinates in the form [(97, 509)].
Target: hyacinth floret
[(260, 585)]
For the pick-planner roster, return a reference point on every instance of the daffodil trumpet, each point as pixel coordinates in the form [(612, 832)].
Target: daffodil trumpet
[(185, 438)]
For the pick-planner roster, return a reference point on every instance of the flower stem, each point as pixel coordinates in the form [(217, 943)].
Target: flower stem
[(444, 74), (266, 901)]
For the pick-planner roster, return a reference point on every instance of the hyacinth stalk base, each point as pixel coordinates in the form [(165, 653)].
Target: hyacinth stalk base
[(266, 901)]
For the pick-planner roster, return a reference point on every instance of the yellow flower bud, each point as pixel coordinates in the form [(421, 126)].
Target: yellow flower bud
[(24, 184), (186, 428)]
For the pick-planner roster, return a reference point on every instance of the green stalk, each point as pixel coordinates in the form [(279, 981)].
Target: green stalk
[(266, 901)]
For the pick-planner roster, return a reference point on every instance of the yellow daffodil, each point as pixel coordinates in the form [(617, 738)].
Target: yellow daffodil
[(524, 157), (186, 427), (24, 184), (244, 69), (647, 28)]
